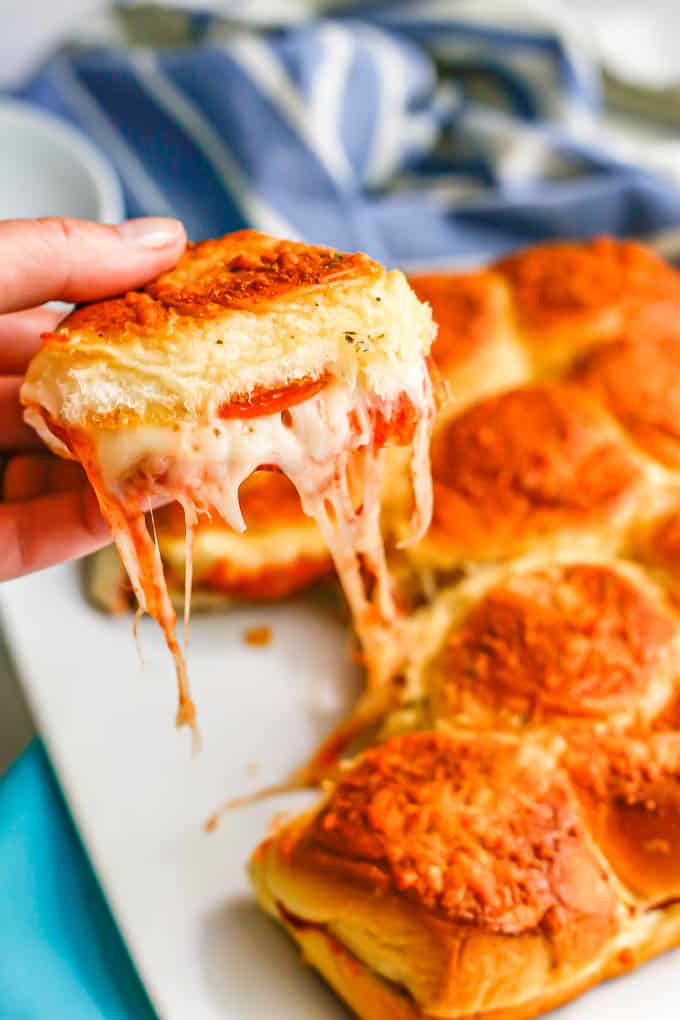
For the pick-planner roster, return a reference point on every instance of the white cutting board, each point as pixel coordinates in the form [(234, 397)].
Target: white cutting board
[(181, 896)]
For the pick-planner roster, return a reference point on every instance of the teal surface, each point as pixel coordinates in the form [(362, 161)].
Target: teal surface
[(61, 955)]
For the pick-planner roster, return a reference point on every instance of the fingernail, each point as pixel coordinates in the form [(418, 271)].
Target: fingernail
[(151, 232)]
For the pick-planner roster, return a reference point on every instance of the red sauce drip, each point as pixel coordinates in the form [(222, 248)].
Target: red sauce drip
[(399, 428)]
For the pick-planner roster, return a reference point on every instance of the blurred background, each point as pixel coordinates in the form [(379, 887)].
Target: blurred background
[(433, 132)]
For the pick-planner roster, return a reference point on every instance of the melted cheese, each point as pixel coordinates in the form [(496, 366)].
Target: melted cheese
[(326, 445)]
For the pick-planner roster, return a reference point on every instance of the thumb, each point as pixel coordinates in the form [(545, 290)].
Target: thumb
[(57, 259)]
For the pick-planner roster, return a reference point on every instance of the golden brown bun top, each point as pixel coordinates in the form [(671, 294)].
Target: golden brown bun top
[(530, 460), (479, 831), (469, 309), (657, 545), (663, 547), (570, 640), (572, 282), (245, 270), (638, 379), (239, 320), (631, 793)]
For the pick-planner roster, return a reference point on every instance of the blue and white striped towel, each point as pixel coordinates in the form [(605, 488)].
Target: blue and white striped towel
[(408, 132)]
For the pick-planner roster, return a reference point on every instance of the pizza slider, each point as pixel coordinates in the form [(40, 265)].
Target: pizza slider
[(534, 469), (536, 311), (637, 378), (280, 553), (570, 296), (546, 642), (253, 352), (474, 876), (477, 349)]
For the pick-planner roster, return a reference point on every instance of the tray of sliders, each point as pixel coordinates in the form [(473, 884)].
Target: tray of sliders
[(446, 719)]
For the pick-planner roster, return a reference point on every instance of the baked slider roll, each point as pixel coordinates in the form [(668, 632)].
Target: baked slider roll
[(537, 468), (253, 352), (655, 541), (546, 643), (280, 553), (629, 789), (451, 876), (571, 296), (637, 378), (476, 350)]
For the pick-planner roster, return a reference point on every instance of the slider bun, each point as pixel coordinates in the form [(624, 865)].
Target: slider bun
[(662, 546), (655, 542), (553, 642), (638, 379), (279, 554), (534, 468), (571, 296), (476, 350), (237, 318), (372, 997), (456, 870), (630, 790)]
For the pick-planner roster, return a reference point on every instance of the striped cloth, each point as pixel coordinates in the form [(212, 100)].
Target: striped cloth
[(407, 132)]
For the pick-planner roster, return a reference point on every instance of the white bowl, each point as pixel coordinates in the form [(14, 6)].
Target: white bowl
[(49, 168)]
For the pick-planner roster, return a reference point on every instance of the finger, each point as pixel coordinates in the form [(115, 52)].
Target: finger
[(14, 433), (40, 474), (20, 337), (58, 259), (49, 530)]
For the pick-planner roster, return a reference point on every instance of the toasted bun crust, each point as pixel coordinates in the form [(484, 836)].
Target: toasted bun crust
[(252, 271), (655, 541), (570, 296), (439, 859), (490, 869), (664, 542), (557, 642), (476, 350), (527, 466), (372, 997), (469, 309), (465, 876), (630, 789), (237, 317), (638, 379)]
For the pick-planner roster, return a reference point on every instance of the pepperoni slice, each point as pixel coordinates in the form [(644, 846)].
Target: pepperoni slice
[(262, 402)]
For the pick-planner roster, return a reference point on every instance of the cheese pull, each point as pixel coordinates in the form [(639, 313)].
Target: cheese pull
[(252, 353)]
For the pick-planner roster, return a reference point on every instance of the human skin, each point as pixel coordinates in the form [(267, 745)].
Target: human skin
[(48, 512)]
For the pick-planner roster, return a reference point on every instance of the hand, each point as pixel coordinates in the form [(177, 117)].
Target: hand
[(49, 512)]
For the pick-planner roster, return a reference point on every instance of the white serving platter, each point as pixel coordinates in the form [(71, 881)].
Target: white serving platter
[(139, 798)]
